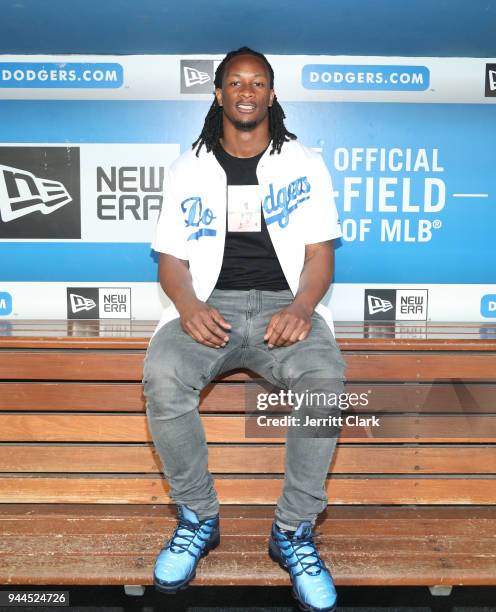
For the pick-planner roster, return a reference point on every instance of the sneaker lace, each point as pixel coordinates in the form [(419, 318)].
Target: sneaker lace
[(195, 531), (309, 559)]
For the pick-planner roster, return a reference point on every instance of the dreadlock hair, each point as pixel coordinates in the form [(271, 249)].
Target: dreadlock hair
[(212, 128)]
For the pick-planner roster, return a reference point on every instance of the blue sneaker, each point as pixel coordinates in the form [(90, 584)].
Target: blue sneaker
[(192, 539), (312, 582)]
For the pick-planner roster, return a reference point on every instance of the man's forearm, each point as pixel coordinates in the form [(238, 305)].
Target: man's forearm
[(316, 275), (175, 280)]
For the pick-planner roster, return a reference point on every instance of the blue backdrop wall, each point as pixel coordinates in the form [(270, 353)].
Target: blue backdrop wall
[(408, 141)]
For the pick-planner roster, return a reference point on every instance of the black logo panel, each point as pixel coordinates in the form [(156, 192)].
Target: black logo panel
[(380, 304), (40, 192)]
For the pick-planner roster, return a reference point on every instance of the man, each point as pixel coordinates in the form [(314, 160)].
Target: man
[(249, 299)]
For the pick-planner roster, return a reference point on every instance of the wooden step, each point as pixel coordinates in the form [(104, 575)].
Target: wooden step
[(118, 545)]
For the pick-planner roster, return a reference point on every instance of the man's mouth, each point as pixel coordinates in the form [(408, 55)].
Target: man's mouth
[(245, 107)]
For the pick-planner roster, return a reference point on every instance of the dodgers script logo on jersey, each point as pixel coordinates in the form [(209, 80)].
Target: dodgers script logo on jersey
[(196, 216), (279, 207)]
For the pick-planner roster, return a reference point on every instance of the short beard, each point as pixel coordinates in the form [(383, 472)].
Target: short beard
[(245, 126)]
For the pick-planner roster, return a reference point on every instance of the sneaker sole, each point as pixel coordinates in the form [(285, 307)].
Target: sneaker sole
[(303, 606), (183, 585)]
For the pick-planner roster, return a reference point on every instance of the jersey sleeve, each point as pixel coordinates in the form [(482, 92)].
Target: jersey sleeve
[(321, 219), (170, 232)]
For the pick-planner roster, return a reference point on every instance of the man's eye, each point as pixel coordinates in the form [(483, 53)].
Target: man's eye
[(233, 82), (259, 84)]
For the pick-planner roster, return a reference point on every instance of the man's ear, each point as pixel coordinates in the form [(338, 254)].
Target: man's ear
[(218, 95), (272, 96)]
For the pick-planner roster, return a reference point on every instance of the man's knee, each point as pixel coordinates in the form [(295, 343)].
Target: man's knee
[(317, 379), (174, 372), (167, 371), (314, 369)]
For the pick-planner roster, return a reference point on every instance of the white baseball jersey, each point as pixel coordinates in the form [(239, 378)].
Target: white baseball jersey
[(297, 203)]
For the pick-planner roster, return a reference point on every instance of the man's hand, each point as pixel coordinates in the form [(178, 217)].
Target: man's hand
[(293, 323), (204, 323), (289, 325)]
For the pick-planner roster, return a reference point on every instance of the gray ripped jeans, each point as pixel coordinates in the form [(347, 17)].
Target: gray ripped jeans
[(177, 368)]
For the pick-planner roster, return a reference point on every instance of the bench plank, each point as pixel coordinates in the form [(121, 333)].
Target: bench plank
[(93, 518), (239, 568), (369, 490), (229, 397), (247, 459), (128, 366), (126, 428)]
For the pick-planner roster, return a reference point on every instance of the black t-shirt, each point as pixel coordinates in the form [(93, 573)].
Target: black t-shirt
[(250, 261)]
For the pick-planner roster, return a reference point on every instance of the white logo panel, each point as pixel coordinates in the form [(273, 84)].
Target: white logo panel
[(122, 190), (115, 303), (411, 304)]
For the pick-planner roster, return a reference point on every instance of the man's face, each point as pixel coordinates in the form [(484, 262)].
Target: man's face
[(245, 95)]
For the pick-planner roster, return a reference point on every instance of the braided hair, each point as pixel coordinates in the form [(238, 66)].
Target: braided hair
[(212, 128)]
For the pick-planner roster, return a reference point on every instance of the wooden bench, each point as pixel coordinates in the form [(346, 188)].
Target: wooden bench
[(83, 500)]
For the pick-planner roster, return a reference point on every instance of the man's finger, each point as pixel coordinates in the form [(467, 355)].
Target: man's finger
[(212, 326), (290, 335), (202, 336), (297, 332), (303, 335), (278, 332), (298, 335), (270, 327), (192, 331), (218, 318), (209, 336)]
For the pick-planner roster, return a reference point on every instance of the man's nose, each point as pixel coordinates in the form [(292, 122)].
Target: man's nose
[(247, 90)]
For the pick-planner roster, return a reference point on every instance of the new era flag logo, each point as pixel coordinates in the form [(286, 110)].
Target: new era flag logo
[(376, 304), (197, 76), (80, 303), (40, 192), (194, 77), (22, 193)]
